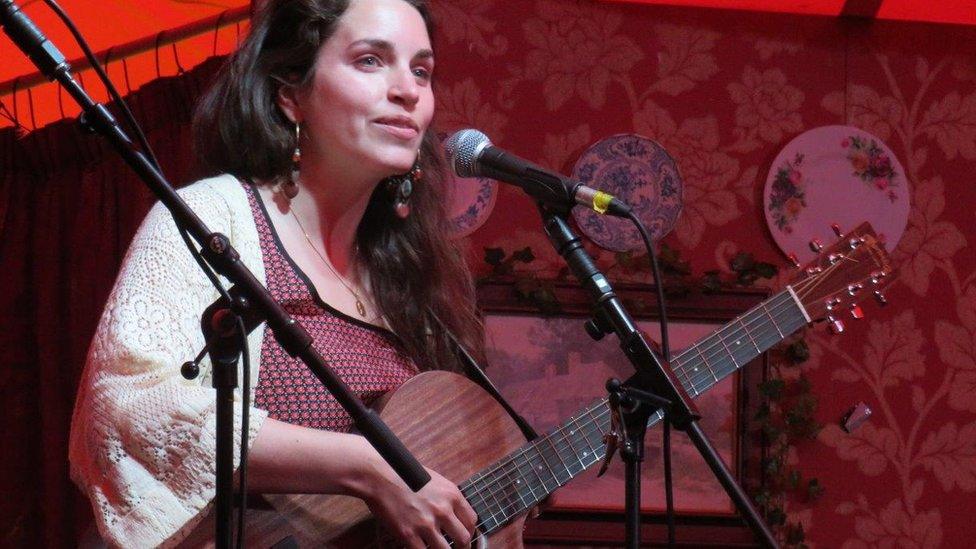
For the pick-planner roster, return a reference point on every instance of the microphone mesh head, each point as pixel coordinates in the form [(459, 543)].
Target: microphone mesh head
[(463, 149)]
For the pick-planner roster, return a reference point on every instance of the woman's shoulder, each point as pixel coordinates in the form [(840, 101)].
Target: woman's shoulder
[(224, 187)]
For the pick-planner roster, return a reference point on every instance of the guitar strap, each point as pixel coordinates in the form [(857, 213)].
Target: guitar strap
[(476, 373)]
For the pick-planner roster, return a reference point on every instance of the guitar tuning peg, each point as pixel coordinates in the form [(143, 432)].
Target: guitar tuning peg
[(794, 260), (836, 228), (852, 289), (877, 276), (880, 298), (856, 312), (836, 325), (816, 245)]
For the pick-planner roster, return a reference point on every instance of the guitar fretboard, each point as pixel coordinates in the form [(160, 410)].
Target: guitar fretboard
[(521, 480)]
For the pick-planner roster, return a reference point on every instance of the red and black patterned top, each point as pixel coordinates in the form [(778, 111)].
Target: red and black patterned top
[(365, 356)]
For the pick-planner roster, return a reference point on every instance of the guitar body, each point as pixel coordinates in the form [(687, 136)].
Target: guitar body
[(450, 424), (455, 428)]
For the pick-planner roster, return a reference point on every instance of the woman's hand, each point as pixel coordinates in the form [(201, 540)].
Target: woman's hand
[(291, 459), (421, 519)]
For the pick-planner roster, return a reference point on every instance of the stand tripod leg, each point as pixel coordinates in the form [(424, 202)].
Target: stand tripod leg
[(736, 493), (633, 495)]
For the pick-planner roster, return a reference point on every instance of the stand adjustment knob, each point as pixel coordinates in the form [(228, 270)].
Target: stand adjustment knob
[(190, 369), (594, 330)]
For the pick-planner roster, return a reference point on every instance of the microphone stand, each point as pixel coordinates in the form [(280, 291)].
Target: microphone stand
[(654, 385), (224, 259)]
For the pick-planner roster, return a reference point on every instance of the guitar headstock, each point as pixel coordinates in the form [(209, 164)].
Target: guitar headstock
[(854, 268)]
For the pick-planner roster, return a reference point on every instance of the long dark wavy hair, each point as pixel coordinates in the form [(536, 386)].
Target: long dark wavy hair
[(416, 273)]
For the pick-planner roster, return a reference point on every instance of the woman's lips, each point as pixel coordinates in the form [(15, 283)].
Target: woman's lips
[(398, 129)]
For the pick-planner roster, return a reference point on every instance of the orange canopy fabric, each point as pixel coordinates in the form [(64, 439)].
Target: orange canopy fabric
[(110, 24)]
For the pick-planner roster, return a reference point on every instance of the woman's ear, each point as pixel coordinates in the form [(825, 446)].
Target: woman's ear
[(287, 100)]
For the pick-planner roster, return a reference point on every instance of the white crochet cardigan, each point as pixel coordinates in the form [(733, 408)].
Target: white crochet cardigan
[(142, 437)]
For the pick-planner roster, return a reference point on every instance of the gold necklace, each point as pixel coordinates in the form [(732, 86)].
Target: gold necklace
[(360, 308)]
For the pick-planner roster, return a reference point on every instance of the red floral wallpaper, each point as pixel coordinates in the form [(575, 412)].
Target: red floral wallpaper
[(723, 92)]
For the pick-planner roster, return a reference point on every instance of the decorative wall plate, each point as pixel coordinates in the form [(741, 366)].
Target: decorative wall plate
[(469, 201), (638, 171), (834, 174)]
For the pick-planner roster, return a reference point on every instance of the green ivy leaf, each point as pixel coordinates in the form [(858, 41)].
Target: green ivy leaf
[(524, 255), (794, 479), (772, 388), (494, 256), (766, 270), (625, 259), (711, 281), (798, 352), (670, 260), (777, 517), (795, 534), (742, 262)]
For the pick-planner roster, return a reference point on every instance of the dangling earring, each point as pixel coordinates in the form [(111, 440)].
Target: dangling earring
[(401, 188), (290, 184)]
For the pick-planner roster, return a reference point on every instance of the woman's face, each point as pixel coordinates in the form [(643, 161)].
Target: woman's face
[(370, 100)]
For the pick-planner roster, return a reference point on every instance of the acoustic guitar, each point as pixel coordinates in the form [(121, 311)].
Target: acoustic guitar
[(457, 429)]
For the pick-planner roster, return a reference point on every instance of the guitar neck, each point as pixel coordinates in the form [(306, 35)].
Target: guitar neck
[(518, 482)]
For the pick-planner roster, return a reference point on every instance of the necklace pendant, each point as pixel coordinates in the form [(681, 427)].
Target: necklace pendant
[(360, 308)]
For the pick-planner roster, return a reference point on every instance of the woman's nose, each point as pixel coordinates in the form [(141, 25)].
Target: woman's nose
[(404, 88)]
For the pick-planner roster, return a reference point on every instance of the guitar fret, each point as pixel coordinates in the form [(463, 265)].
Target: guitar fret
[(505, 489), (589, 449), (497, 505), (528, 483), (548, 440), (766, 309), (531, 473), (727, 350), (538, 467), (565, 448), (752, 339)]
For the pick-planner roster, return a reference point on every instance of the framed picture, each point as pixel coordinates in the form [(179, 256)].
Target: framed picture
[(549, 369)]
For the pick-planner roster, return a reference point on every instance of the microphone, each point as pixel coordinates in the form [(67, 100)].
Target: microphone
[(31, 40), (471, 154)]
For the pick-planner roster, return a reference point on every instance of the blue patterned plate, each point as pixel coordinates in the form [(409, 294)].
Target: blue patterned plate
[(638, 171), (469, 200)]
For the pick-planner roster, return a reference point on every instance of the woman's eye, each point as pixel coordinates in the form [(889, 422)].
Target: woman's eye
[(369, 61), (422, 72)]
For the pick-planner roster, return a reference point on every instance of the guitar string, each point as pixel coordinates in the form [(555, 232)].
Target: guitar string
[(558, 441), (514, 459), (678, 359), (597, 420), (802, 288), (574, 453)]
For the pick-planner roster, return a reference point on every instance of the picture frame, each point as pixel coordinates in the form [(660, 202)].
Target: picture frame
[(548, 368)]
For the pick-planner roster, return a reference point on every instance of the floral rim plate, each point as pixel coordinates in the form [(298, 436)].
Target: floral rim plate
[(834, 174), (638, 171), (470, 201)]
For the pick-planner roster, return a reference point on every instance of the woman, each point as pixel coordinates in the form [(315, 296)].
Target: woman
[(320, 125)]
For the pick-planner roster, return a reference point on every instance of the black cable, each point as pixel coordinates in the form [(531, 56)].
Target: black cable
[(194, 252), (245, 427), (666, 350), (97, 67)]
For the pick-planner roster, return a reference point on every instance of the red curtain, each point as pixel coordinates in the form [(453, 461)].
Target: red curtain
[(68, 208)]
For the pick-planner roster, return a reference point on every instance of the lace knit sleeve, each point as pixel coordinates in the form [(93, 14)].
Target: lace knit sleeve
[(142, 437)]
